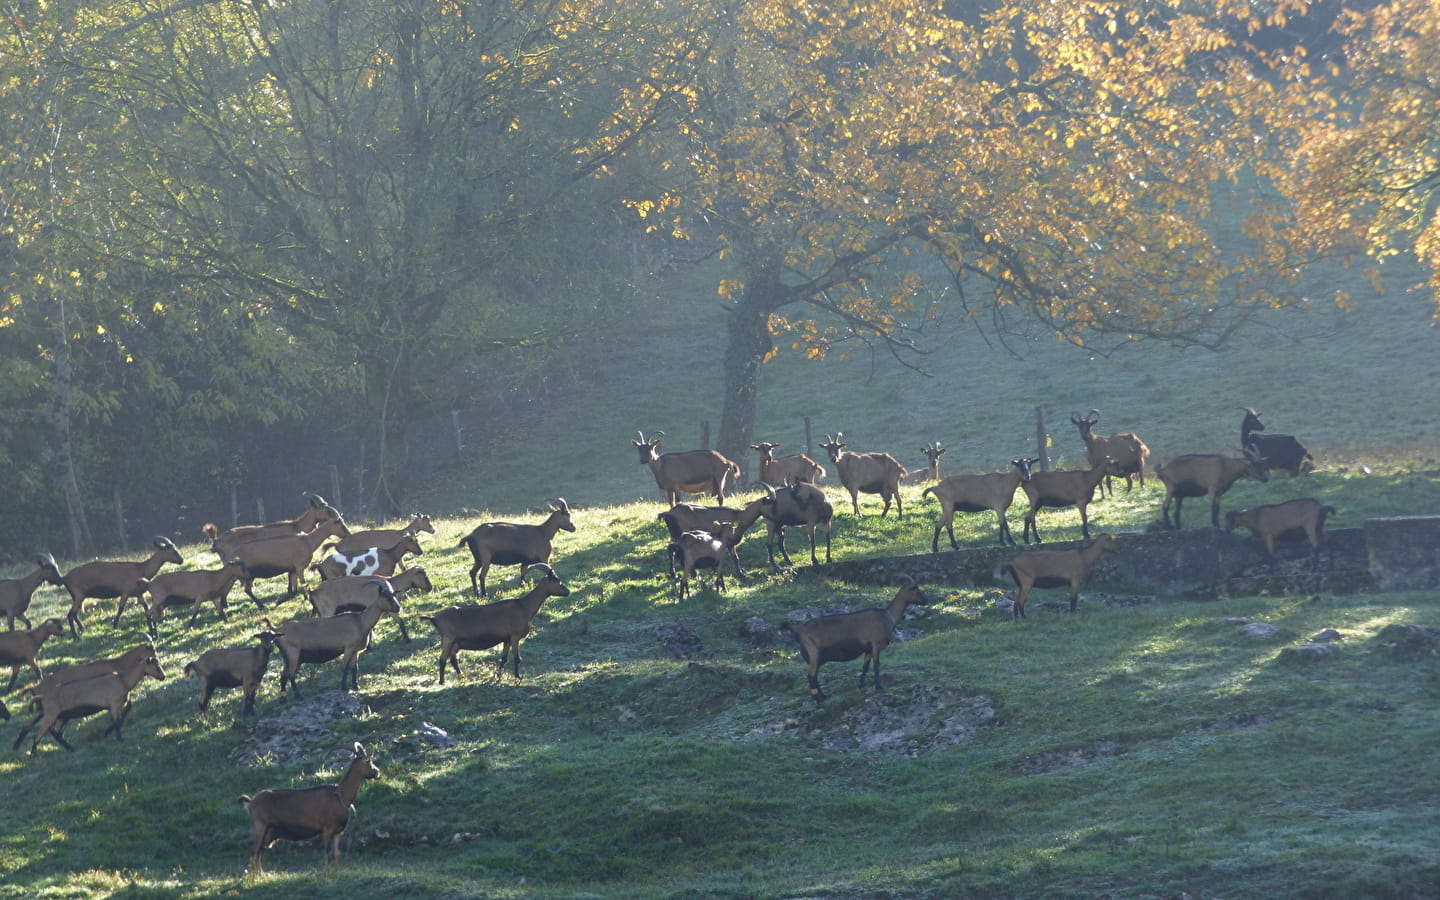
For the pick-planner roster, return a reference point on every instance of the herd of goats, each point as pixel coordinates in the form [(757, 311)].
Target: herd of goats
[(363, 576)]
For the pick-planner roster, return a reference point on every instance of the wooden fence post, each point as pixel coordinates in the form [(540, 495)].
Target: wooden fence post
[(1041, 439)]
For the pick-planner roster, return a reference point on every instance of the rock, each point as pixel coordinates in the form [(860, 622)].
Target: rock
[(1262, 631), (1327, 636), (1308, 651), (761, 634), (680, 641)]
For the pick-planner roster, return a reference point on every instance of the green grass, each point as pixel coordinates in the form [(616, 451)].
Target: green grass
[(1134, 751)]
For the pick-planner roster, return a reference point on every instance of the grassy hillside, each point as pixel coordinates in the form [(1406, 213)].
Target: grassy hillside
[(1145, 747)]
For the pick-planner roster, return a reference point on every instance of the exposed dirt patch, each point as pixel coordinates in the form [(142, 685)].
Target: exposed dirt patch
[(919, 720), (297, 730)]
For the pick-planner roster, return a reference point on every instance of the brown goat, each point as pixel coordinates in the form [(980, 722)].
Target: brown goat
[(798, 505), (342, 636), (1054, 568), (1126, 448), (1304, 516), (866, 473), (844, 636), (316, 514), (683, 517), (178, 589), (686, 472), (354, 593), (504, 622), (1056, 490), (64, 701), (299, 814), (382, 537), (778, 472), (22, 648), (287, 555), (977, 493), (508, 544), (103, 580), (229, 667), (131, 665), (702, 550), (1206, 475), (16, 593)]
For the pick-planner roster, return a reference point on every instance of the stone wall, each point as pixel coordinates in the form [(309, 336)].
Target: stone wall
[(1199, 562)]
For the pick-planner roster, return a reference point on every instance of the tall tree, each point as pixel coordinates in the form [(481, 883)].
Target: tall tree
[(1056, 162), (1365, 116)]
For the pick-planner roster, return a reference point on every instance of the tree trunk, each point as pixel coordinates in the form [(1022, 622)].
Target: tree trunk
[(81, 543), (748, 343)]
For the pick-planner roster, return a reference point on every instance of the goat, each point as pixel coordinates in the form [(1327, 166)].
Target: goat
[(1056, 490), (686, 472), (866, 473), (63, 701), (504, 622), (130, 665), (1276, 520), (683, 517), (933, 452), (287, 555), (1126, 448), (299, 814), (1206, 475), (351, 593), (16, 593), (22, 648), (177, 589), (977, 493), (384, 537), (507, 544), (1053, 568), (103, 580), (344, 635), (1279, 451), (702, 550), (778, 472), (800, 505), (229, 667), (316, 514), (382, 561), (844, 636)]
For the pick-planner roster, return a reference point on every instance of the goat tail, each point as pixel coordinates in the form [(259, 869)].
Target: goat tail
[(1002, 572), (210, 530), (927, 492), (243, 800), (190, 670)]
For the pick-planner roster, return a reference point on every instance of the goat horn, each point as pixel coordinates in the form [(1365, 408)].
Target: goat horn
[(549, 572), (906, 579), (317, 501), (1094, 415)]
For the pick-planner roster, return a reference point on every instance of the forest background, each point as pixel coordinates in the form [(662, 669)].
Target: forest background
[(451, 256)]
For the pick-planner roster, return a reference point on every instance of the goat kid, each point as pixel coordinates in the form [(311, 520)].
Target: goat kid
[(300, 814), (382, 561), (844, 636)]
